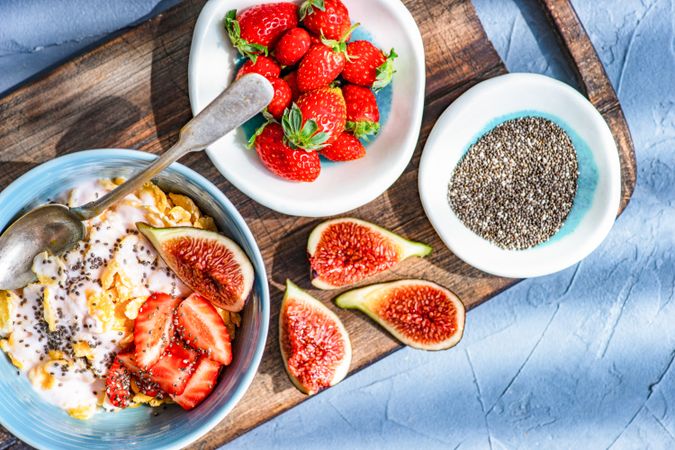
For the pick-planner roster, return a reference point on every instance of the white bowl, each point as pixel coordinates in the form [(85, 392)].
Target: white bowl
[(341, 186), (598, 189)]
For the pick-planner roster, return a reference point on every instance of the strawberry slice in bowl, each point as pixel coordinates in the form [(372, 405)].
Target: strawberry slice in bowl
[(200, 385), (153, 328), (174, 369), (202, 328)]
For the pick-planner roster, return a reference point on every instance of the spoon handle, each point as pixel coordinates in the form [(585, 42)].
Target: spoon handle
[(244, 99)]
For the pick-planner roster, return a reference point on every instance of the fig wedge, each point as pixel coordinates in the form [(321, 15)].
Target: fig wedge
[(209, 263), (343, 252), (314, 344), (420, 314)]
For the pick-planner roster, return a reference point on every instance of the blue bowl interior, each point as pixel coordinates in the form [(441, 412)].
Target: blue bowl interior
[(46, 426)]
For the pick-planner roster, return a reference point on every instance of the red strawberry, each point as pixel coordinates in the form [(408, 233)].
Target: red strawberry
[(118, 384), (263, 65), (368, 65), (153, 328), (282, 160), (174, 368), (329, 18), (320, 67), (201, 383), (292, 80), (149, 387), (200, 325), (316, 120), (282, 98), (292, 46), (363, 115), (346, 148), (127, 358), (258, 28)]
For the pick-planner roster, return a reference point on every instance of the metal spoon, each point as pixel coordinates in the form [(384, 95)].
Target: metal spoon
[(57, 228)]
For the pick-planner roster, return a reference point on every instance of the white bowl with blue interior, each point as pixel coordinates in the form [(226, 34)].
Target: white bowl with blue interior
[(485, 106), (45, 426), (341, 186)]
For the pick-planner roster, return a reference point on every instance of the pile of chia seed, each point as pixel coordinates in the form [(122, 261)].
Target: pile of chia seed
[(515, 186)]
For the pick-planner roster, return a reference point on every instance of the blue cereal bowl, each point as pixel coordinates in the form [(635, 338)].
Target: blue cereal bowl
[(42, 425)]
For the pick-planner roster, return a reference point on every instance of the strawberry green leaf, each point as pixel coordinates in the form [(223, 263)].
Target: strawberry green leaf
[(250, 50), (308, 7), (258, 132), (299, 135), (385, 72), (363, 128)]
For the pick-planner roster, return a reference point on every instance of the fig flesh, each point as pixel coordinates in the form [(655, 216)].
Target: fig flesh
[(343, 252), (207, 262), (314, 344), (418, 313)]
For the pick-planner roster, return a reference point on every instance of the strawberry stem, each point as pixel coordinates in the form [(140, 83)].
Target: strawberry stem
[(362, 129), (385, 72), (308, 7), (244, 47), (298, 135)]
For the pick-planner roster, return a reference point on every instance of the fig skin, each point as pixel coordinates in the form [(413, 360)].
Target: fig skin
[(221, 294), (370, 300), (397, 249), (296, 295)]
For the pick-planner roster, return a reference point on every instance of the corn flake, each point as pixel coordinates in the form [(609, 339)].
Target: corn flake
[(205, 223), (83, 412), (39, 376), (178, 216), (82, 349), (5, 345), (187, 204), (7, 299), (102, 306), (151, 195)]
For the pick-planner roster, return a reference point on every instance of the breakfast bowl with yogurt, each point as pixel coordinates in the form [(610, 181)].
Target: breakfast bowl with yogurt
[(149, 330)]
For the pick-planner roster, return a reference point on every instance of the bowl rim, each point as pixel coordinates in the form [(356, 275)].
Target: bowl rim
[(218, 196), (357, 197), (555, 260)]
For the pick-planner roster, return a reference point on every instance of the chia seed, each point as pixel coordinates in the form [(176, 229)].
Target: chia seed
[(515, 186)]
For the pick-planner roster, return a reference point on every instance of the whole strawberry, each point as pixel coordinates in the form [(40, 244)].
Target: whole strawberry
[(328, 18), (346, 148), (292, 46), (368, 65), (316, 120), (363, 115), (263, 65), (281, 100), (258, 28), (282, 160), (321, 65), (292, 80)]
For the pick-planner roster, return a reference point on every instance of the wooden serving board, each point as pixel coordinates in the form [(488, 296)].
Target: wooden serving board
[(131, 92)]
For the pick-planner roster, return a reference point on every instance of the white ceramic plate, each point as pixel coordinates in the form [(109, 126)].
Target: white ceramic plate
[(341, 186), (483, 107)]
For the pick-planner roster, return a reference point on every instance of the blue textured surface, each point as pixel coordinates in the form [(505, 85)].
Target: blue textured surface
[(582, 358)]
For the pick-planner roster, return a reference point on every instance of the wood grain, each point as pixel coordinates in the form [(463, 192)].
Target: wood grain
[(132, 92)]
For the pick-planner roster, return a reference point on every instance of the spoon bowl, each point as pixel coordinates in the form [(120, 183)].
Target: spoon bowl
[(53, 228)]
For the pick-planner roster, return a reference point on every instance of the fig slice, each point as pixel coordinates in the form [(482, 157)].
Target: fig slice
[(343, 252), (207, 262), (418, 313), (314, 344)]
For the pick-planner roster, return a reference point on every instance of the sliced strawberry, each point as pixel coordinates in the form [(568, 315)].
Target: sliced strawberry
[(174, 368), (201, 383), (118, 384), (153, 328), (149, 387), (198, 322)]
